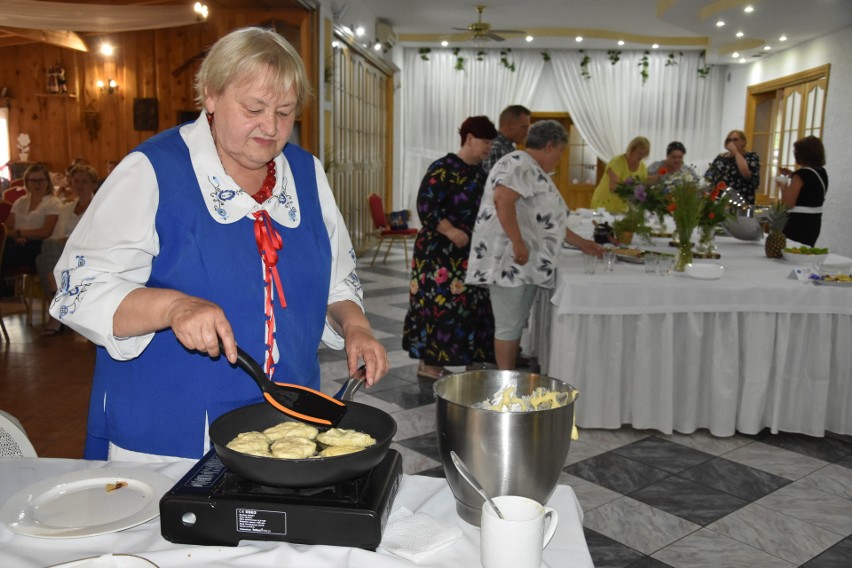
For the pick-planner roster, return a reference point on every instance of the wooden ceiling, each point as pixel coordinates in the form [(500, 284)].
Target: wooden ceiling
[(73, 40)]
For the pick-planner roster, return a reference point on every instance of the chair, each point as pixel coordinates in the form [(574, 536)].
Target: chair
[(15, 191), (5, 209), (384, 232), (25, 283), (13, 439)]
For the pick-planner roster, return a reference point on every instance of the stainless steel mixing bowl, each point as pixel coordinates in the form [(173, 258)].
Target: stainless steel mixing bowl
[(510, 453)]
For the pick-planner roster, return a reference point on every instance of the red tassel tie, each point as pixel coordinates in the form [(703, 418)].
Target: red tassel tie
[(268, 244)]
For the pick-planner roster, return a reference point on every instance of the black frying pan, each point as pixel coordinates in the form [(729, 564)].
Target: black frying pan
[(311, 472)]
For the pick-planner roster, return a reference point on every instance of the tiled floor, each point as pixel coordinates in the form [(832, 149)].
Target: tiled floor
[(650, 500)]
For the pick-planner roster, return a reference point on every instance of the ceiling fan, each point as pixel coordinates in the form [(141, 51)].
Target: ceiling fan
[(482, 30)]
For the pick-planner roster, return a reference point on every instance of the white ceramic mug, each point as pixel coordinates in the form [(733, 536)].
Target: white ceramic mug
[(518, 540)]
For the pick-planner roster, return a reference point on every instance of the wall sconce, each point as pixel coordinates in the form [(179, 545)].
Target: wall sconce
[(110, 87), (200, 12)]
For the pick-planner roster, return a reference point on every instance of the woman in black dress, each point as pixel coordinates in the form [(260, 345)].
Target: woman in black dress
[(736, 167), (448, 322), (804, 191)]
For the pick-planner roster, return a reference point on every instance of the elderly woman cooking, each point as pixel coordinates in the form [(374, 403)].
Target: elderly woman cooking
[(209, 233), (519, 231)]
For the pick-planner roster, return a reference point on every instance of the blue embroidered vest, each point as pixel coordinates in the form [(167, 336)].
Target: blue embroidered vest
[(162, 401)]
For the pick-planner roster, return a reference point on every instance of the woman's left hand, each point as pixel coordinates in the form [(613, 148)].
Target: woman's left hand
[(362, 346)]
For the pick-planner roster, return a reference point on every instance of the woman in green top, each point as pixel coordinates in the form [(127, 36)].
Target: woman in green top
[(618, 169)]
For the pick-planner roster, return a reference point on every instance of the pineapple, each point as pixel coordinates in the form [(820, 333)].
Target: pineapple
[(776, 219)]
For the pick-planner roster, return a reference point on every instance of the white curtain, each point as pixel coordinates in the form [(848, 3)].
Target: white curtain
[(613, 105), (609, 108), (437, 98)]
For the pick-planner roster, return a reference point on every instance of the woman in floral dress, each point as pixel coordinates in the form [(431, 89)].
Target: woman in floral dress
[(449, 323)]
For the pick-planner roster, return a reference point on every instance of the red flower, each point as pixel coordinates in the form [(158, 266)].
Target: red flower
[(662, 171), (714, 195), (711, 215), (672, 206)]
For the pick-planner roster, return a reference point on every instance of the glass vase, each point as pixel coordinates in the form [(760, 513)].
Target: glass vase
[(684, 255), (707, 241)]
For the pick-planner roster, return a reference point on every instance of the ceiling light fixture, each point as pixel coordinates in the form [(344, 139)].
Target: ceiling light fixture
[(578, 39), (200, 12), (529, 38), (767, 47), (735, 54), (359, 31), (621, 42), (748, 9), (742, 60), (720, 24), (740, 34), (107, 49), (445, 43), (377, 46), (782, 38), (655, 46)]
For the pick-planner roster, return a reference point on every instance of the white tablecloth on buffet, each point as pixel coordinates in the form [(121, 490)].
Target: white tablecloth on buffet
[(755, 349), (417, 493)]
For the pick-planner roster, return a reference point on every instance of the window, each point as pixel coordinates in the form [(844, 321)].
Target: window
[(780, 112), (5, 150)]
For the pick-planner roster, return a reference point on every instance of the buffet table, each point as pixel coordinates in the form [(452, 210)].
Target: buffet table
[(757, 348), (419, 494)]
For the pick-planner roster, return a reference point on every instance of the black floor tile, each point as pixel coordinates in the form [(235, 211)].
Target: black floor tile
[(736, 479), (426, 444), (846, 462), (688, 500), (408, 396), (385, 324), (663, 454), (607, 553), (649, 562), (826, 449), (838, 556), (616, 472)]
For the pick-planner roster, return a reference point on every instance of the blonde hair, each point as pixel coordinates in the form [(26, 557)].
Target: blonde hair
[(640, 142), (739, 133), (248, 52)]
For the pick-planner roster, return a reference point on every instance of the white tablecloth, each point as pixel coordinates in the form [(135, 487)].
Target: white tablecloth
[(754, 349), (417, 493)]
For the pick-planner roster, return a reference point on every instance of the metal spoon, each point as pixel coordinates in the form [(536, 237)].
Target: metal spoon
[(468, 476)]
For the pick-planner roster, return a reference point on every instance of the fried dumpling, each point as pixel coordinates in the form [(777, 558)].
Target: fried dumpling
[(293, 448), (343, 437), (252, 443), (291, 430), (332, 451)]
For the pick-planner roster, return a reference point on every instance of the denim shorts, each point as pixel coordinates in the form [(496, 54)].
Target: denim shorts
[(511, 307)]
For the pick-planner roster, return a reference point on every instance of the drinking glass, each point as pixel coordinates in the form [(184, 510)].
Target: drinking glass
[(651, 261), (665, 264), (609, 259), (590, 263)]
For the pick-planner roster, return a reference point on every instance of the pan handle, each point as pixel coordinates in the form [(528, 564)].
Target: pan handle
[(352, 384)]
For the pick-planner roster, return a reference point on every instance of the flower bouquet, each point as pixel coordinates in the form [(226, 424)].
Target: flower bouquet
[(638, 196), (715, 210), (686, 203)]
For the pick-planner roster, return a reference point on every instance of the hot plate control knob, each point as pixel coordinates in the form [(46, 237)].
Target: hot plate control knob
[(188, 519)]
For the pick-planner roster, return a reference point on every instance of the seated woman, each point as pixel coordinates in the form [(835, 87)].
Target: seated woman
[(673, 165), (31, 220), (739, 169), (83, 182), (804, 192), (618, 169)]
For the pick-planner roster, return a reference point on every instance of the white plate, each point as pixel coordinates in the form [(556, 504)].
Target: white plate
[(79, 503), (804, 259), (707, 271), (109, 561)]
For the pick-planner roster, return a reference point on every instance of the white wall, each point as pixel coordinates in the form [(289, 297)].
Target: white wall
[(833, 49)]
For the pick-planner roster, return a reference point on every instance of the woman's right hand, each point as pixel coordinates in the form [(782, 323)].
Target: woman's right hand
[(521, 253), (199, 325)]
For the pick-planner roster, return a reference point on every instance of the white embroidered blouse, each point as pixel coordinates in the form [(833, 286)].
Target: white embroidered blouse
[(118, 270)]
